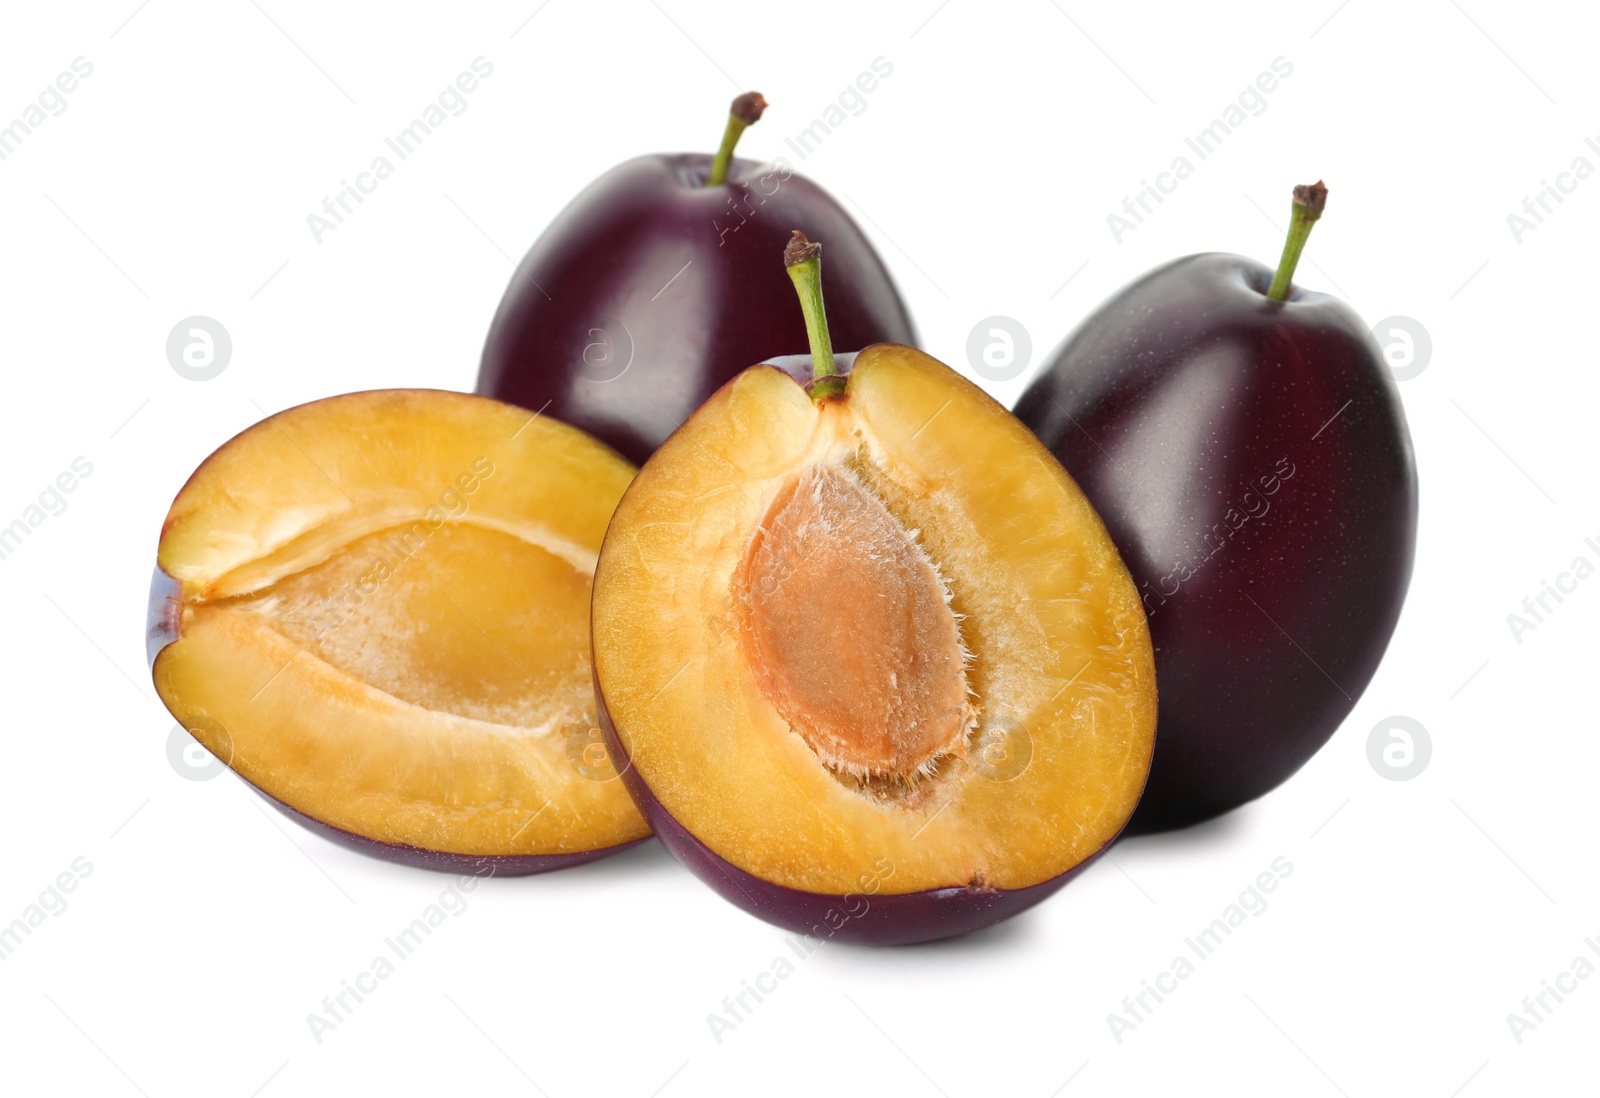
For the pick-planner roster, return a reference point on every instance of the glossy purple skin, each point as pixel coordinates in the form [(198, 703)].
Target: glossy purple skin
[(1271, 598), (860, 918), (161, 629), (650, 291)]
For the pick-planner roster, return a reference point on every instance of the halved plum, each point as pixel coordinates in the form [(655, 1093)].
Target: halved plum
[(867, 656), (374, 609)]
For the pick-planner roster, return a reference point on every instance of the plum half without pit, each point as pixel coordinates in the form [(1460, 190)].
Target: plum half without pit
[(867, 658), (374, 608)]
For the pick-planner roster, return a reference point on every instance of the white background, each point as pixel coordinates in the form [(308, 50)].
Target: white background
[(177, 182)]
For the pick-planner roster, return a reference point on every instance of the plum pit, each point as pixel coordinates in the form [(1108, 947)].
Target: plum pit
[(847, 627)]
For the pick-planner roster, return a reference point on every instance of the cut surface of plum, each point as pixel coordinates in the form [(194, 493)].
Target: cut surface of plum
[(374, 609), (485, 626), (875, 647)]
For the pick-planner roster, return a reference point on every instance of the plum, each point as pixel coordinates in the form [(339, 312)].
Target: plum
[(1246, 445), (656, 285), (866, 657), (374, 609)]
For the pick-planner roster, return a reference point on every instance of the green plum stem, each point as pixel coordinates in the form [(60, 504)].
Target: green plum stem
[(1309, 201), (803, 260), (745, 112)]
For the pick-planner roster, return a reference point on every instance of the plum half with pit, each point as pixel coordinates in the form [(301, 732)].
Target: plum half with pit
[(868, 658), (656, 285), (374, 608), (1247, 447)]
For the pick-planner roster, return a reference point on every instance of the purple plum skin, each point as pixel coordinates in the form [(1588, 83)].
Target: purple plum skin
[(1181, 406), (863, 919), (650, 290), (161, 629)]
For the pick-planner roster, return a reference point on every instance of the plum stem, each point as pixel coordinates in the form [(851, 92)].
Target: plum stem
[(745, 112), (1309, 200), (803, 260)]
